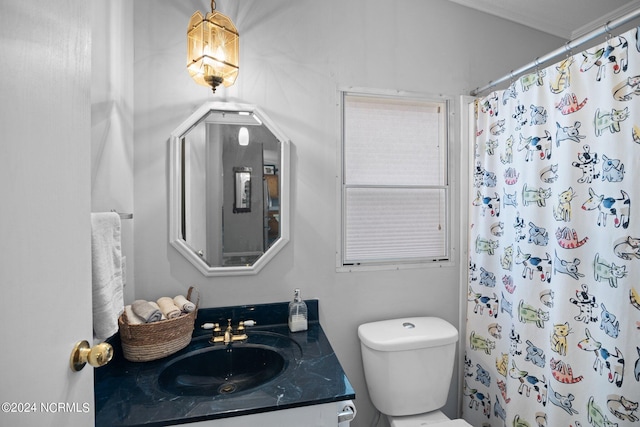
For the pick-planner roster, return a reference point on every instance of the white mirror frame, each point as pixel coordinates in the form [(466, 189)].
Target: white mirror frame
[(175, 192)]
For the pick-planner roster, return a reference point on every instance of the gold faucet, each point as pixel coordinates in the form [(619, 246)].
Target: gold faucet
[(228, 335)]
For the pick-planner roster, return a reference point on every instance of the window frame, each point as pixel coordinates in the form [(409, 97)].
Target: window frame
[(447, 259)]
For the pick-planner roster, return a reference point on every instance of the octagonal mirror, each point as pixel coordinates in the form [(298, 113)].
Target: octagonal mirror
[(229, 189)]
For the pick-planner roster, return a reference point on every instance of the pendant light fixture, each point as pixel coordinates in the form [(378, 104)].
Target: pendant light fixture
[(212, 49)]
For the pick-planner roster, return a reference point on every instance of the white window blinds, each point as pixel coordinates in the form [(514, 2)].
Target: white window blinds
[(395, 192)]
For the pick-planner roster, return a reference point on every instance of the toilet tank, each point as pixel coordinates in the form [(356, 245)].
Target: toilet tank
[(408, 363)]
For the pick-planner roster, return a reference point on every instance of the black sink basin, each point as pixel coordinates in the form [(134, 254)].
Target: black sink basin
[(215, 371)]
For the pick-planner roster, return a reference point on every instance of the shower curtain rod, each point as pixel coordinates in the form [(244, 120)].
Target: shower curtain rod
[(568, 47)]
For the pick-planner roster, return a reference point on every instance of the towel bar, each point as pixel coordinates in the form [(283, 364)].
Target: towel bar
[(123, 215)]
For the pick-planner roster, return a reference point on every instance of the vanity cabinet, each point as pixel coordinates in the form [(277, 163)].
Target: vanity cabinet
[(322, 415), (310, 390)]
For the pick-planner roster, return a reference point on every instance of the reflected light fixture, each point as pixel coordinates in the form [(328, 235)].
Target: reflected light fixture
[(243, 136), (212, 49)]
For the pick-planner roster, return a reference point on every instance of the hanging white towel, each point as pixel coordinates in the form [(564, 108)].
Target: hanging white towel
[(106, 272)]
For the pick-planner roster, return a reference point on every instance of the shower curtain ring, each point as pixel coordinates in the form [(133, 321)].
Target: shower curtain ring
[(537, 62), (608, 31), (567, 48)]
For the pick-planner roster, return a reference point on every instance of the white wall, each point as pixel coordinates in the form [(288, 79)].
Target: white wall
[(112, 118), (294, 57)]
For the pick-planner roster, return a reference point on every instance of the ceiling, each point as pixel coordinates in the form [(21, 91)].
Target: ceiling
[(567, 19)]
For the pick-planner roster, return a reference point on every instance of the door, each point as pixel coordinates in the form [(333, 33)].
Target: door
[(45, 192)]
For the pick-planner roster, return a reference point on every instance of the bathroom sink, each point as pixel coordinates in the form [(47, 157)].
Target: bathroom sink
[(215, 371)]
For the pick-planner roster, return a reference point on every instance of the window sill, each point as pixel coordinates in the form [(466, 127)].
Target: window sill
[(394, 266)]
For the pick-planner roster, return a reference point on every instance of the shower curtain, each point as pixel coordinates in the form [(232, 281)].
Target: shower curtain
[(553, 318)]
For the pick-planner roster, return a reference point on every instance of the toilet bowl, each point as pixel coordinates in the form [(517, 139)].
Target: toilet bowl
[(408, 366)]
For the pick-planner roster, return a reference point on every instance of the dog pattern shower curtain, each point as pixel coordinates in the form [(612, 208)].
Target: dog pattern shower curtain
[(553, 323)]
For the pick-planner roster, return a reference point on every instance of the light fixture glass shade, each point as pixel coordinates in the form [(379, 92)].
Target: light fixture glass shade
[(212, 49), (243, 136)]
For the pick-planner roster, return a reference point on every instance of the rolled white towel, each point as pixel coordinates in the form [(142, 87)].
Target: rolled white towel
[(184, 304), (132, 318), (157, 307), (146, 311), (168, 308)]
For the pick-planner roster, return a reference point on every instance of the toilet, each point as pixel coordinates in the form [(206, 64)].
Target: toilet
[(408, 364)]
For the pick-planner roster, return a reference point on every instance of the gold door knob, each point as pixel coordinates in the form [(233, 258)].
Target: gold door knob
[(96, 356)]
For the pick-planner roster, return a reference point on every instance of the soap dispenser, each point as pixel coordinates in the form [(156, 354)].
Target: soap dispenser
[(297, 313)]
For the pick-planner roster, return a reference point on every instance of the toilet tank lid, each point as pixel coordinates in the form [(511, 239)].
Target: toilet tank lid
[(407, 334)]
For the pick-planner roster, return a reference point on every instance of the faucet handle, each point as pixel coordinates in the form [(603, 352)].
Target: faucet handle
[(243, 323), (217, 335), (211, 326)]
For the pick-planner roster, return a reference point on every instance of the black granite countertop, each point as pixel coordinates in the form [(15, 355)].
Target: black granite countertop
[(129, 393)]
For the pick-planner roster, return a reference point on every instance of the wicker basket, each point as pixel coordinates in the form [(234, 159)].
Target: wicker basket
[(152, 341)]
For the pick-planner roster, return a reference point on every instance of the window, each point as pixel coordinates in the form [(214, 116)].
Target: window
[(395, 192)]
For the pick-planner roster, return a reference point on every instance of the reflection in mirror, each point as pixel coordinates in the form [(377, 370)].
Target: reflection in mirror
[(229, 189), (242, 184)]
